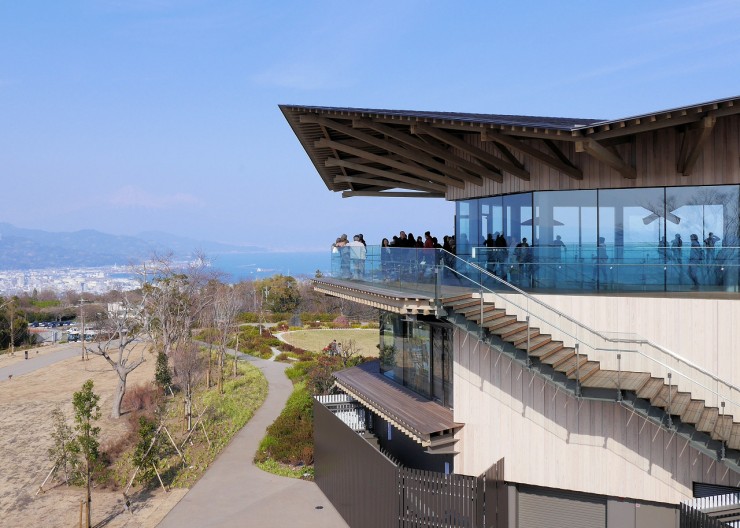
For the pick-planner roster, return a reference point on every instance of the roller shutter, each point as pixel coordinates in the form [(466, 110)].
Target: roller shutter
[(538, 508)]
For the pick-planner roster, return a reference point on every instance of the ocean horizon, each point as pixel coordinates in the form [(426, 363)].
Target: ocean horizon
[(245, 266)]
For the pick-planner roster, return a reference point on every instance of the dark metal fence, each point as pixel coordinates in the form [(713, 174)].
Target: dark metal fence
[(370, 490), (691, 518)]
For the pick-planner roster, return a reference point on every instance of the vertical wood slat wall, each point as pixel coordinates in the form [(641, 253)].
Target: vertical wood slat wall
[(654, 154)]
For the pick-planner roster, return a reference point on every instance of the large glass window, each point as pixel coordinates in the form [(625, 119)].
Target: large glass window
[(610, 239), (467, 232), (564, 224), (704, 217), (418, 355)]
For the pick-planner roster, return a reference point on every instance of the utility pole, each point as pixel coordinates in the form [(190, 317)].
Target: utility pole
[(82, 318)]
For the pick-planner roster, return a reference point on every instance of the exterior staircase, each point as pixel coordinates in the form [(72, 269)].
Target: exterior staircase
[(707, 427)]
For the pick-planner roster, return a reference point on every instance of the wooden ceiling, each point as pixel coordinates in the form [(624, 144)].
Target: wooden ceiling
[(361, 152)]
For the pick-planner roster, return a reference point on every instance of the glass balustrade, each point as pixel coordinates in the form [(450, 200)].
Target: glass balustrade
[(501, 278)]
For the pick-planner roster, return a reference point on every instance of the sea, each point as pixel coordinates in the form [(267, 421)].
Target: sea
[(246, 266)]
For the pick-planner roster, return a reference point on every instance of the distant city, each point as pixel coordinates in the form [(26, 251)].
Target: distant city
[(90, 280)]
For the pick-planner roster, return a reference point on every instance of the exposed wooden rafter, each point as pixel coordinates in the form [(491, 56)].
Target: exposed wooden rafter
[(471, 150), (418, 157), (388, 175), (601, 153), (692, 145), (385, 160), (349, 194), (531, 151), (434, 150)]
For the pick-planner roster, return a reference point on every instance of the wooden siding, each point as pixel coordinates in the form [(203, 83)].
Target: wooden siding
[(653, 154), (549, 438)]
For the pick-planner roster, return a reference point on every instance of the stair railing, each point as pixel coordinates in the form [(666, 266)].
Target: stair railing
[(623, 353)]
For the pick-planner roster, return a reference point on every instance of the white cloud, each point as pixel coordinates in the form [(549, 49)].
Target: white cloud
[(130, 196)]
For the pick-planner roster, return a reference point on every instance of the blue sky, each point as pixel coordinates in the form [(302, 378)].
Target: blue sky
[(133, 115)]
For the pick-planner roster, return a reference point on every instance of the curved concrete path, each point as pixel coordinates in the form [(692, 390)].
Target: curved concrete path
[(234, 492)]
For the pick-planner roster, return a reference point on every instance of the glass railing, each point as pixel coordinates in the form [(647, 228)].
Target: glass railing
[(440, 274)]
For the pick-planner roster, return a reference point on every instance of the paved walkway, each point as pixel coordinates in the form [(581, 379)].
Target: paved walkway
[(234, 492), (36, 361)]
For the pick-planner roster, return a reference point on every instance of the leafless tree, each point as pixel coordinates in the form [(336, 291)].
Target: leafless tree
[(174, 296), (348, 350), (118, 332), (189, 369), (226, 306)]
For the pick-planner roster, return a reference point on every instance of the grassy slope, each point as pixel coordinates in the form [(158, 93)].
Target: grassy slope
[(316, 340)]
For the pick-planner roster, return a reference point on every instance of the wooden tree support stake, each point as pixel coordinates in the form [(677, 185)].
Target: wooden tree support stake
[(41, 488)]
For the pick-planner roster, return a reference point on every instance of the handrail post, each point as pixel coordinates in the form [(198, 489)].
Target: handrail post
[(437, 282), (578, 370), (619, 375), (529, 361), (722, 449), (670, 399), (480, 323)]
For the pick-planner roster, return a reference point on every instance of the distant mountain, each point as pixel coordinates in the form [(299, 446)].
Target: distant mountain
[(34, 248)]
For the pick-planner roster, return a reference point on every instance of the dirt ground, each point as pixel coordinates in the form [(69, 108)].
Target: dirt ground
[(26, 403)]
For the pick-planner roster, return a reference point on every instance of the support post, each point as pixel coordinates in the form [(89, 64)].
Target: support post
[(619, 375), (670, 398), (578, 370)]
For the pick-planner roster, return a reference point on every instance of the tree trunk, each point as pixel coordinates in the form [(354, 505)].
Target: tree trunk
[(118, 398)]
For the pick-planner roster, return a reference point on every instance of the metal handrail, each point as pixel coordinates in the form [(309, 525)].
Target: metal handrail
[(598, 333)]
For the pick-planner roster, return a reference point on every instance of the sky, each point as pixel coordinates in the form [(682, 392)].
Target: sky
[(136, 115)]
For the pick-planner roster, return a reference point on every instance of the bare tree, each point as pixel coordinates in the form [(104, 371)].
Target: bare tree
[(174, 296), (117, 334), (189, 368), (348, 350), (226, 306)]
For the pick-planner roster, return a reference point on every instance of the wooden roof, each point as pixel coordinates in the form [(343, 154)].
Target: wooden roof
[(413, 414), (401, 153)]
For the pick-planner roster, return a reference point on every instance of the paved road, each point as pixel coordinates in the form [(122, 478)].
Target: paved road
[(35, 361), (234, 492)]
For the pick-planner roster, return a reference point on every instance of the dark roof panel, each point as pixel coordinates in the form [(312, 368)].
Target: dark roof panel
[(554, 123)]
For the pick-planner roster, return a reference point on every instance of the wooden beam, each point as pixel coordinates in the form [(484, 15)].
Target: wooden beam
[(384, 160), (558, 153), (384, 144), (690, 150), (434, 150), (431, 186), (527, 149), (471, 150), (368, 179), (599, 152), (349, 194), (508, 155)]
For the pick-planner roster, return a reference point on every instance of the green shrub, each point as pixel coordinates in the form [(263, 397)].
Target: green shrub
[(290, 437)]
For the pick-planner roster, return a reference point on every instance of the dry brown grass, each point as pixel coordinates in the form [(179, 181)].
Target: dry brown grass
[(26, 403)]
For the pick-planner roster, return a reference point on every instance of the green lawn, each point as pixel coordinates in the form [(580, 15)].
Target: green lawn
[(316, 340)]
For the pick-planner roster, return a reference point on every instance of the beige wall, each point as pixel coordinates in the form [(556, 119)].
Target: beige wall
[(548, 438), (704, 331), (653, 154)]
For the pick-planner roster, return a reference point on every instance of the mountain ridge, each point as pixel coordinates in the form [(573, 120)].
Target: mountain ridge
[(22, 248)]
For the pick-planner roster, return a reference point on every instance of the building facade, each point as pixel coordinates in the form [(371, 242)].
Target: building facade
[(596, 357)]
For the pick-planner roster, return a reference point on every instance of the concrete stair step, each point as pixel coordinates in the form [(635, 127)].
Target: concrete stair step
[(537, 342), (510, 329), (547, 349), (520, 338), (558, 357), (708, 419), (693, 411), (734, 441), (449, 301), (651, 388), (723, 428), (499, 322)]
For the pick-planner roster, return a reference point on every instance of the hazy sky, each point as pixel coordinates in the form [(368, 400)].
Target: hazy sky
[(133, 115)]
